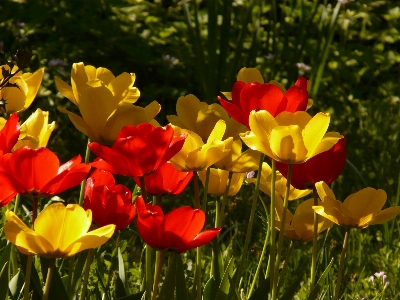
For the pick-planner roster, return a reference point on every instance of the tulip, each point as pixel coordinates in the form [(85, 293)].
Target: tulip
[(198, 156), (300, 226), (201, 118), (325, 166), (165, 181), (19, 98), (9, 133), (138, 150), (247, 97), (59, 232), (218, 179), (358, 210), (246, 75), (177, 231), (36, 130), (280, 184), (291, 138), (37, 172), (109, 203), (104, 102)]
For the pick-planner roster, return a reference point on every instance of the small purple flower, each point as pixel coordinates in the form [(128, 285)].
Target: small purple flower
[(384, 278), (379, 274), (270, 56), (57, 62), (250, 174), (371, 279), (386, 284)]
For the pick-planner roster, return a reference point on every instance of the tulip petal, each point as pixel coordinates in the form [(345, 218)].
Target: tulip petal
[(315, 131), (78, 79), (300, 118), (33, 82), (218, 132), (187, 108), (385, 215), (120, 87), (201, 239), (261, 124), (103, 74), (368, 201), (234, 111), (248, 75), (287, 144), (297, 98), (328, 141), (79, 123), (65, 90)]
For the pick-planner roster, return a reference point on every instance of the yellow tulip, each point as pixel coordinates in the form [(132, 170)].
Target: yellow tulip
[(198, 156), (291, 138), (358, 210), (201, 118), (20, 98), (300, 226), (59, 232), (104, 102), (218, 179), (280, 184), (35, 131), (238, 162)]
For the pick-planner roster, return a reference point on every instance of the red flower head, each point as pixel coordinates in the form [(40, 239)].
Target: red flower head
[(109, 203), (37, 172), (325, 166), (166, 181), (138, 150), (9, 134), (177, 231), (267, 96)]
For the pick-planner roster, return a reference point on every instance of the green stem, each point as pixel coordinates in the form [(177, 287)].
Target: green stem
[(112, 261), (28, 277), (288, 254), (70, 272), (205, 195), (341, 264), (281, 234), (271, 263), (48, 279), (250, 225), (158, 273), (262, 253), (149, 279), (16, 205), (315, 246), (196, 189), (220, 219), (83, 183), (86, 275)]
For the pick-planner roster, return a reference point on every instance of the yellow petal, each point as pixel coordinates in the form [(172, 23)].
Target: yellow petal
[(33, 83), (91, 73), (324, 191), (315, 131), (218, 132), (385, 215), (248, 75), (15, 97), (366, 202), (152, 110), (279, 85), (78, 80), (187, 108), (248, 161), (300, 118), (327, 142), (261, 124), (254, 143), (228, 95), (120, 87), (287, 144), (26, 240), (103, 74), (65, 90), (92, 239), (80, 124)]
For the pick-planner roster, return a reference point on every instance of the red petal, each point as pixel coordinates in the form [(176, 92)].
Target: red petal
[(235, 112), (201, 239), (297, 98), (9, 133)]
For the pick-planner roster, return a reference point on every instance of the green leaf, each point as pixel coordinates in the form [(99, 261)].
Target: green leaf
[(4, 282), (57, 288), (320, 282), (223, 290), (293, 288), (169, 283), (233, 293), (210, 290), (137, 296), (106, 292), (261, 291), (119, 288), (181, 290), (77, 275), (5, 254), (35, 284), (16, 284), (121, 268)]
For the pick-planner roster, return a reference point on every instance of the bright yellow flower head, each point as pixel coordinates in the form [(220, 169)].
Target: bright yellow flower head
[(201, 118), (280, 184), (291, 138), (300, 226), (59, 232), (35, 131), (198, 156), (358, 210), (105, 103), (238, 162), (218, 179), (20, 98)]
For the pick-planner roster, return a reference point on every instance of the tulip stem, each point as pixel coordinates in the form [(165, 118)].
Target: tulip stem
[(196, 189), (158, 273), (271, 264), (281, 233), (70, 272), (204, 206), (16, 205), (148, 264), (220, 219), (86, 275), (34, 211), (341, 264), (262, 253), (143, 185), (28, 277), (250, 225), (315, 246), (83, 183), (50, 271)]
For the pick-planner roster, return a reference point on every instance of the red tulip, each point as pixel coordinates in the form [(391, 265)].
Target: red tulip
[(9, 134), (37, 172), (138, 150), (325, 166), (109, 203), (256, 96), (177, 231), (166, 181)]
